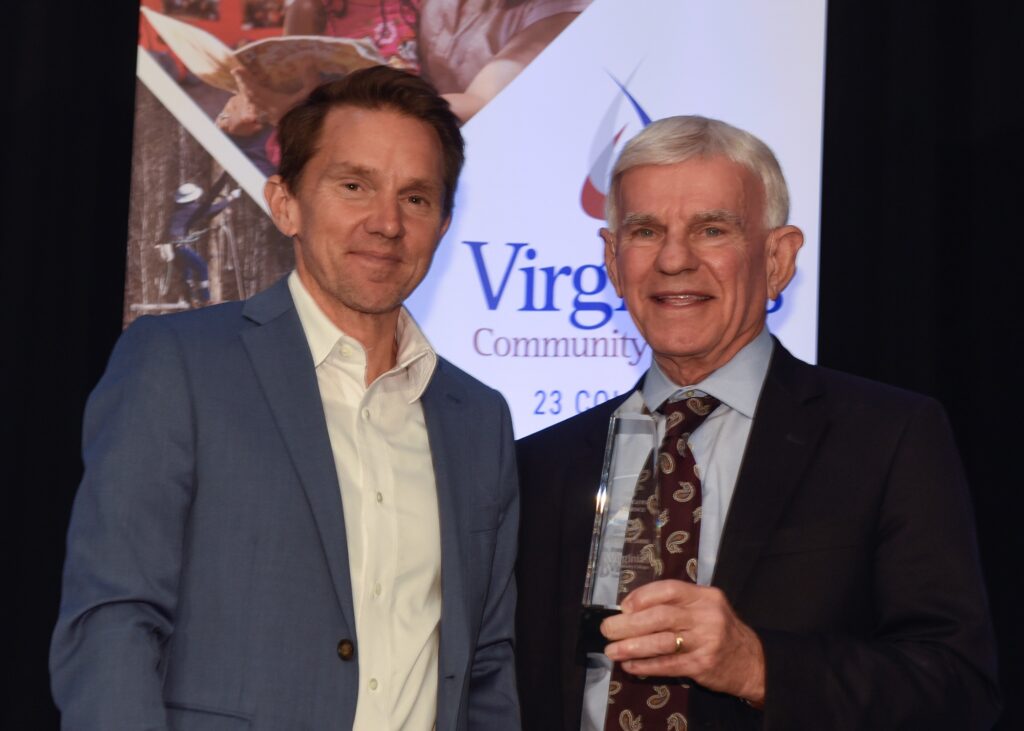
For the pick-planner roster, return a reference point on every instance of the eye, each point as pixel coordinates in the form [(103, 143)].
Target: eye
[(417, 200), (351, 186), (643, 233), (713, 231)]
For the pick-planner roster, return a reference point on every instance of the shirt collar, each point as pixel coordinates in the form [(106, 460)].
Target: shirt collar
[(415, 354), (737, 384), (321, 333)]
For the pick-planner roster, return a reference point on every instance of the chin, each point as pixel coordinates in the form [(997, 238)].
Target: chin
[(380, 306), (681, 348)]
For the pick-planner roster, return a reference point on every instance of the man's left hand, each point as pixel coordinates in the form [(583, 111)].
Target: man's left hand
[(714, 648)]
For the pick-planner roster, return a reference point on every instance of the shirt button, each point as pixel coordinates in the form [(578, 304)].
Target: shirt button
[(366, 414), (376, 589), (373, 684), (380, 497), (346, 351)]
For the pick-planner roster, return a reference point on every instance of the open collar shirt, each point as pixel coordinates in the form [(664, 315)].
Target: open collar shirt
[(379, 441)]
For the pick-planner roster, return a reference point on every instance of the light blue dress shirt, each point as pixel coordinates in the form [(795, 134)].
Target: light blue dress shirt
[(717, 447)]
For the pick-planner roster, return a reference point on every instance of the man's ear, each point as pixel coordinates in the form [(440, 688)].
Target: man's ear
[(284, 209), (611, 263), (783, 245)]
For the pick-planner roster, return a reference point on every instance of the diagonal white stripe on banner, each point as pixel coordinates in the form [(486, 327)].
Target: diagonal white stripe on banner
[(194, 119)]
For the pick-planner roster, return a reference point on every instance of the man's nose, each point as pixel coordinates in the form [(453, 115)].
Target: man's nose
[(676, 255), (385, 217)]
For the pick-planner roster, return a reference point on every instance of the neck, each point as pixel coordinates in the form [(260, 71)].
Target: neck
[(684, 373), (381, 347), (690, 370), (377, 332)]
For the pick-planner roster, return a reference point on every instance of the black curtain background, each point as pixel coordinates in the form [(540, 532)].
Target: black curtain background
[(920, 264)]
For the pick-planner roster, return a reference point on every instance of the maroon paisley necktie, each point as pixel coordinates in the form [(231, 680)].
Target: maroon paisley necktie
[(665, 512)]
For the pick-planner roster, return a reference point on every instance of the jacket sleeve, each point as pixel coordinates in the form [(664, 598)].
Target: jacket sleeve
[(124, 545), (930, 660), (493, 700)]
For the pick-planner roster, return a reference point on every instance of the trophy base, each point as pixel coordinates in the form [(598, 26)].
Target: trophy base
[(590, 637)]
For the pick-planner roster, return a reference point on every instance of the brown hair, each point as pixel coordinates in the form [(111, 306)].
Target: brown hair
[(378, 87)]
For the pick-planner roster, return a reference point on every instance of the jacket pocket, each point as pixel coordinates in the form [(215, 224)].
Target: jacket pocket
[(182, 717)]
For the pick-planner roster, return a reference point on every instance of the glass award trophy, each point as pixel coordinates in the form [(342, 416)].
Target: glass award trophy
[(626, 485)]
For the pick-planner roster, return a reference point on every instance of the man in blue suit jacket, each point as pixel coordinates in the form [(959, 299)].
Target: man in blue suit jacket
[(294, 515)]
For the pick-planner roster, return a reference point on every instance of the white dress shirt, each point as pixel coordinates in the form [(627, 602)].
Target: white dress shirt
[(389, 497), (717, 446)]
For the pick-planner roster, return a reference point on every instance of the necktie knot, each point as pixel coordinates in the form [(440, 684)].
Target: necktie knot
[(686, 414)]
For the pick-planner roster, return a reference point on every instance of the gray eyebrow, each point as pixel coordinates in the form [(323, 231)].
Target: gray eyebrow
[(639, 219), (719, 215), (713, 216)]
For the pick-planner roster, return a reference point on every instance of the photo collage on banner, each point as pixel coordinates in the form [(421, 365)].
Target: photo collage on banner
[(517, 295)]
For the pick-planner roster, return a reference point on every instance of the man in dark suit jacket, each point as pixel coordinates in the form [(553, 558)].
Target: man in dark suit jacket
[(838, 584), (294, 514)]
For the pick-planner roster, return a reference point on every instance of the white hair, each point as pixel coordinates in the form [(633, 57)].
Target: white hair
[(678, 139)]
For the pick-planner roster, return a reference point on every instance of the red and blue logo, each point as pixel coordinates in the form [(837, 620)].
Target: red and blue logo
[(608, 142)]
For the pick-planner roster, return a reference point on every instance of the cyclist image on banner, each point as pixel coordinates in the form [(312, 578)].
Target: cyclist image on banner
[(189, 270)]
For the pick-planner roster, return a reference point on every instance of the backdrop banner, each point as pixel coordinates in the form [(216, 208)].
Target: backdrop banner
[(518, 294)]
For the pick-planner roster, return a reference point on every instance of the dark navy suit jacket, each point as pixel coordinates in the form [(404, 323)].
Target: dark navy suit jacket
[(849, 547)]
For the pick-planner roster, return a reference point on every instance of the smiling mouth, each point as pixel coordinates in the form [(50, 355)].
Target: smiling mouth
[(377, 256), (680, 300)]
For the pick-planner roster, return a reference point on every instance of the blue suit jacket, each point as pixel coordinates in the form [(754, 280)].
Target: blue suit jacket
[(207, 578)]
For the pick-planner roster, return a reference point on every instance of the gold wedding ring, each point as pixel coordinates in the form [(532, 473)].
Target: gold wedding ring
[(679, 643)]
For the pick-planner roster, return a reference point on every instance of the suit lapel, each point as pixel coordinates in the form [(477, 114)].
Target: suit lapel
[(788, 425), (280, 355), (448, 433)]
